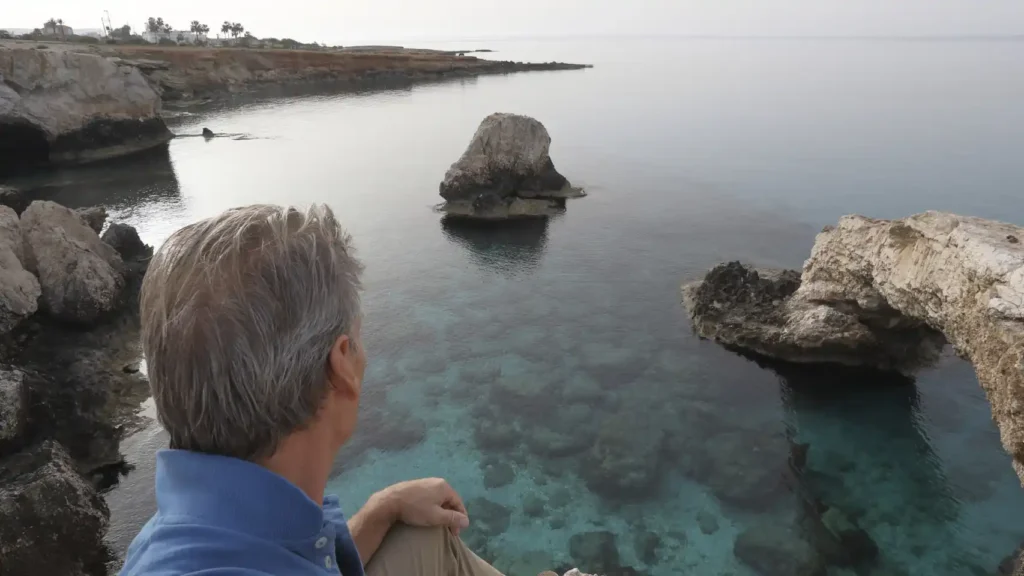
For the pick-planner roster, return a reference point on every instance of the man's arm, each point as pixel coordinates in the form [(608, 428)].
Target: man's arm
[(369, 526), (429, 502)]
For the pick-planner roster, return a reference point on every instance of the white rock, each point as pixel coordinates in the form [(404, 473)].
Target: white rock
[(81, 276), (19, 289)]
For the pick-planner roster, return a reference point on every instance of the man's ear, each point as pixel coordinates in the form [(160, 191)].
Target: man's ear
[(341, 368)]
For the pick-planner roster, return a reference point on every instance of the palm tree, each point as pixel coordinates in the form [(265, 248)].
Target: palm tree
[(51, 24), (237, 29), (225, 28), (60, 22)]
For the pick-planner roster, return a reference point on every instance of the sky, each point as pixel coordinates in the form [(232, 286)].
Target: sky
[(347, 22)]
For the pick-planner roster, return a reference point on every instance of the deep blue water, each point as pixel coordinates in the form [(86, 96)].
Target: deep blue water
[(554, 357)]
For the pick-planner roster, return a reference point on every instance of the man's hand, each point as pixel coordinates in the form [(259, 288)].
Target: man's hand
[(427, 503)]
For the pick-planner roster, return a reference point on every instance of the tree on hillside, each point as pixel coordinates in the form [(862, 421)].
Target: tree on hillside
[(124, 32), (5, 35)]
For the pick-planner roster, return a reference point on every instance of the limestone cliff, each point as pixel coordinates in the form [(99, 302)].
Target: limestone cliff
[(880, 292), (59, 106)]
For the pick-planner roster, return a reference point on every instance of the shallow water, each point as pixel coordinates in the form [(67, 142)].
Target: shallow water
[(553, 358)]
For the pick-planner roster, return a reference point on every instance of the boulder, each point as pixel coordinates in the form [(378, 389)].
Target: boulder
[(498, 474), (51, 519), (506, 172), (94, 217), (13, 405), (207, 133), (534, 505), (912, 284), (13, 199), (624, 461), (19, 289), (80, 275), (61, 106)]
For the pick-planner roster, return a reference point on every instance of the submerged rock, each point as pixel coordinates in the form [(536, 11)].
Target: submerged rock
[(81, 276), (774, 550), (51, 520), (207, 133), (19, 288), (69, 106), (498, 474), (646, 545), (707, 522), (910, 285), (506, 172), (596, 551)]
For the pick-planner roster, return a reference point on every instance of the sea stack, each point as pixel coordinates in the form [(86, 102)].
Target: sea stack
[(506, 172)]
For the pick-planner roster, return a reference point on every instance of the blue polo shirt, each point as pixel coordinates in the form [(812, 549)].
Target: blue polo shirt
[(219, 516)]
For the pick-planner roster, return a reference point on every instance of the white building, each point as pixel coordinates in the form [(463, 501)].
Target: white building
[(183, 36)]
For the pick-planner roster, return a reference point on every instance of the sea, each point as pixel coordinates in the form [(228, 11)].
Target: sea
[(547, 369)]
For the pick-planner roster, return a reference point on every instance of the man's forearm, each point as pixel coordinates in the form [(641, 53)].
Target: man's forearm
[(371, 524)]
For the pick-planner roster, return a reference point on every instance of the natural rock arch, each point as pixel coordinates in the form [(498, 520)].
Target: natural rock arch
[(879, 293)]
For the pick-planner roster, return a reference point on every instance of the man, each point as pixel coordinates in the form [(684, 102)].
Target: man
[(251, 331)]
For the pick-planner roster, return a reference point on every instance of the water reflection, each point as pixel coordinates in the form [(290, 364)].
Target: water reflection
[(506, 247), (890, 474), (116, 183)]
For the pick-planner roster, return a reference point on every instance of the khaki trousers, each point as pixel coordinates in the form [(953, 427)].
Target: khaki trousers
[(408, 551)]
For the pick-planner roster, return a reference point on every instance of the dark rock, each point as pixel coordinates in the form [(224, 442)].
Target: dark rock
[(14, 199), (480, 372), (556, 522), (207, 133), (395, 431), (774, 550), (842, 542), (533, 506), (498, 474), (125, 239), (1012, 565), (560, 498), (487, 520), (595, 552), (646, 545), (495, 434), (94, 217), (624, 462), (51, 520), (124, 135), (707, 521)]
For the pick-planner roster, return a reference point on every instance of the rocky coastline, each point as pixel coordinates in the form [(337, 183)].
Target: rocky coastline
[(71, 103), (70, 383)]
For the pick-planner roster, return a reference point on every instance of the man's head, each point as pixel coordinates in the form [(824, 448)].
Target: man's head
[(250, 327)]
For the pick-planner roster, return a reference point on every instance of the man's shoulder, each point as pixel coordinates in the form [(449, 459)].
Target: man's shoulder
[(180, 547)]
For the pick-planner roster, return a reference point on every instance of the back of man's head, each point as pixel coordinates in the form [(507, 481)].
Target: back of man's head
[(239, 313)]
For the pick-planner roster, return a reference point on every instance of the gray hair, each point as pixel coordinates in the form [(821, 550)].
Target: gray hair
[(239, 313)]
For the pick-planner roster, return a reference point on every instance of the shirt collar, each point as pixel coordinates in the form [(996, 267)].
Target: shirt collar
[(234, 494)]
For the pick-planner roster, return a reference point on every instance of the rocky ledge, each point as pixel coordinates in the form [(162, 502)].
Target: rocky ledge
[(69, 384), (61, 106), (506, 172), (887, 294)]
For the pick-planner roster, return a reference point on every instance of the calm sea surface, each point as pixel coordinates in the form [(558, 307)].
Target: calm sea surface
[(549, 367)]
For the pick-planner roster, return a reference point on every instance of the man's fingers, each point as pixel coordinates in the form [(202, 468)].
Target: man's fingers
[(452, 500), (449, 518)]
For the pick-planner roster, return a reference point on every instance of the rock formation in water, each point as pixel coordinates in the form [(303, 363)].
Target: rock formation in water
[(887, 294), (506, 172), (68, 327), (59, 106)]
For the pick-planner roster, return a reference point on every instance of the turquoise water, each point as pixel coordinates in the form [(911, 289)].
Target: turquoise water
[(548, 367)]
